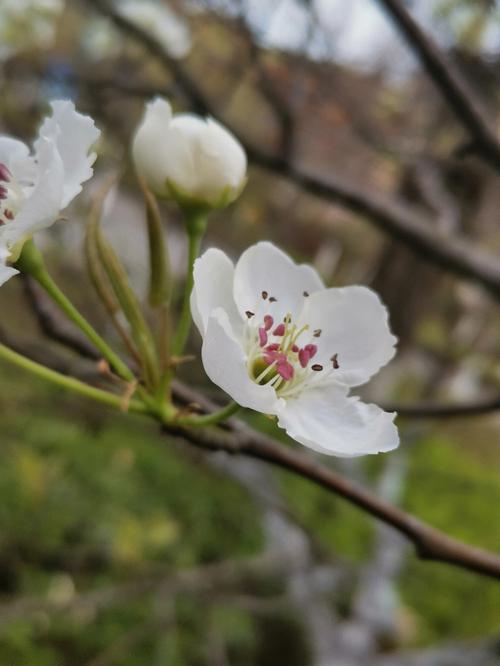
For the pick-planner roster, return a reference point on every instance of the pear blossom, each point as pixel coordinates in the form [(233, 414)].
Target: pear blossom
[(279, 342), (27, 23), (36, 185), (194, 160)]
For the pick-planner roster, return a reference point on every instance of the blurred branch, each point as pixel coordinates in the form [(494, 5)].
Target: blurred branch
[(430, 411), (456, 92), (430, 543), (237, 438), (281, 109), (453, 253)]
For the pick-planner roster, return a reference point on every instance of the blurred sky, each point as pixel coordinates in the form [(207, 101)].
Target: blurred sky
[(357, 32)]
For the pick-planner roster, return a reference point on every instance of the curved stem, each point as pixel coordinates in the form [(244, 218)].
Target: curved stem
[(31, 262), (71, 384), (209, 419), (196, 223)]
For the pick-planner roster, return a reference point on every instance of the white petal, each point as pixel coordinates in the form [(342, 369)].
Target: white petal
[(221, 162), (326, 420), (224, 362), (12, 150), (42, 206), (16, 157), (74, 134), (150, 148), (6, 272), (265, 268), (354, 324), (213, 288)]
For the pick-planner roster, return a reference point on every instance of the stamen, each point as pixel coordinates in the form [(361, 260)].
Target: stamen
[(295, 335), (249, 314), (304, 357), (4, 174), (3, 192), (311, 350), (279, 330), (9, 214), (316, 367), (265, 295), (268, 322), (285, 369), (317, 333), (335, 362), (262, 337), (273, 347), (272, 299), (305, 293), (295, 349)]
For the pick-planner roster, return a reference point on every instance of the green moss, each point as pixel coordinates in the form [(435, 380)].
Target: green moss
[(450, 488)]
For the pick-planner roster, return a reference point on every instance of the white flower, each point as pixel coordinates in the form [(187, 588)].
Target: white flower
[(165, 26), (35, 187), (25, 24), (277, 341), (189, 158)]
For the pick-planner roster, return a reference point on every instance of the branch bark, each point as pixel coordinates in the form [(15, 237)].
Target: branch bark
[(456, 92), (430, 543)]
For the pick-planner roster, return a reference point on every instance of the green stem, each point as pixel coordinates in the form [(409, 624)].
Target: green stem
[(209, 419), (196, 223), (31, 262), (69, 383)]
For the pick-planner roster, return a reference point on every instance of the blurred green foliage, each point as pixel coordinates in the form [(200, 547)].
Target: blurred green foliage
[(91, 500)]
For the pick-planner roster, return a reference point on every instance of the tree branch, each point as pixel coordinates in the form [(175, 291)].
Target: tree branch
[(452, 253), (455, 90), (430, 543)]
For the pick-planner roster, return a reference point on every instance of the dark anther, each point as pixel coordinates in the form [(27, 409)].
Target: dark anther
[(317, 333), (249, 314), (265, 295), (317, 367), (335, 361), (272, 299), (306, 293)]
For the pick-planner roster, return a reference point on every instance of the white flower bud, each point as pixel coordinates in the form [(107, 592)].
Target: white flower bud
[(193, 160)]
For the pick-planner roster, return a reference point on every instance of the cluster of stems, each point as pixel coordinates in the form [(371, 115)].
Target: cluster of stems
[(153, 352)]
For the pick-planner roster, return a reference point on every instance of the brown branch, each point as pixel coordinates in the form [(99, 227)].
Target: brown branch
[(455, 90), (237, 438), (453, 253), (430, 543), (437, 411)]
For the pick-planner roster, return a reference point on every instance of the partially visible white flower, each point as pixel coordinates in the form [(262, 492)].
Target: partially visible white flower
[(189, 158), (168, 28), (25, 24), (277, 341), (35, 186)]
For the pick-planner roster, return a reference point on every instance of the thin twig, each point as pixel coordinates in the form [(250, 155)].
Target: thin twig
[(453, 253), (456, 92)]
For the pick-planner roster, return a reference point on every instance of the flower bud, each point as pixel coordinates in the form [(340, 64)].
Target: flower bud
[(193, 160)]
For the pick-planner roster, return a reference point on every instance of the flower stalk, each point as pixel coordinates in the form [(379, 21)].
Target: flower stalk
[(31, 262), (118, 279), (208, 419), (196, 223), (70, 383)]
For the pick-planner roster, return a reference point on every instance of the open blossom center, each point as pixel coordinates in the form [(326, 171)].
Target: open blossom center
[(11, 196), (281, 353)]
